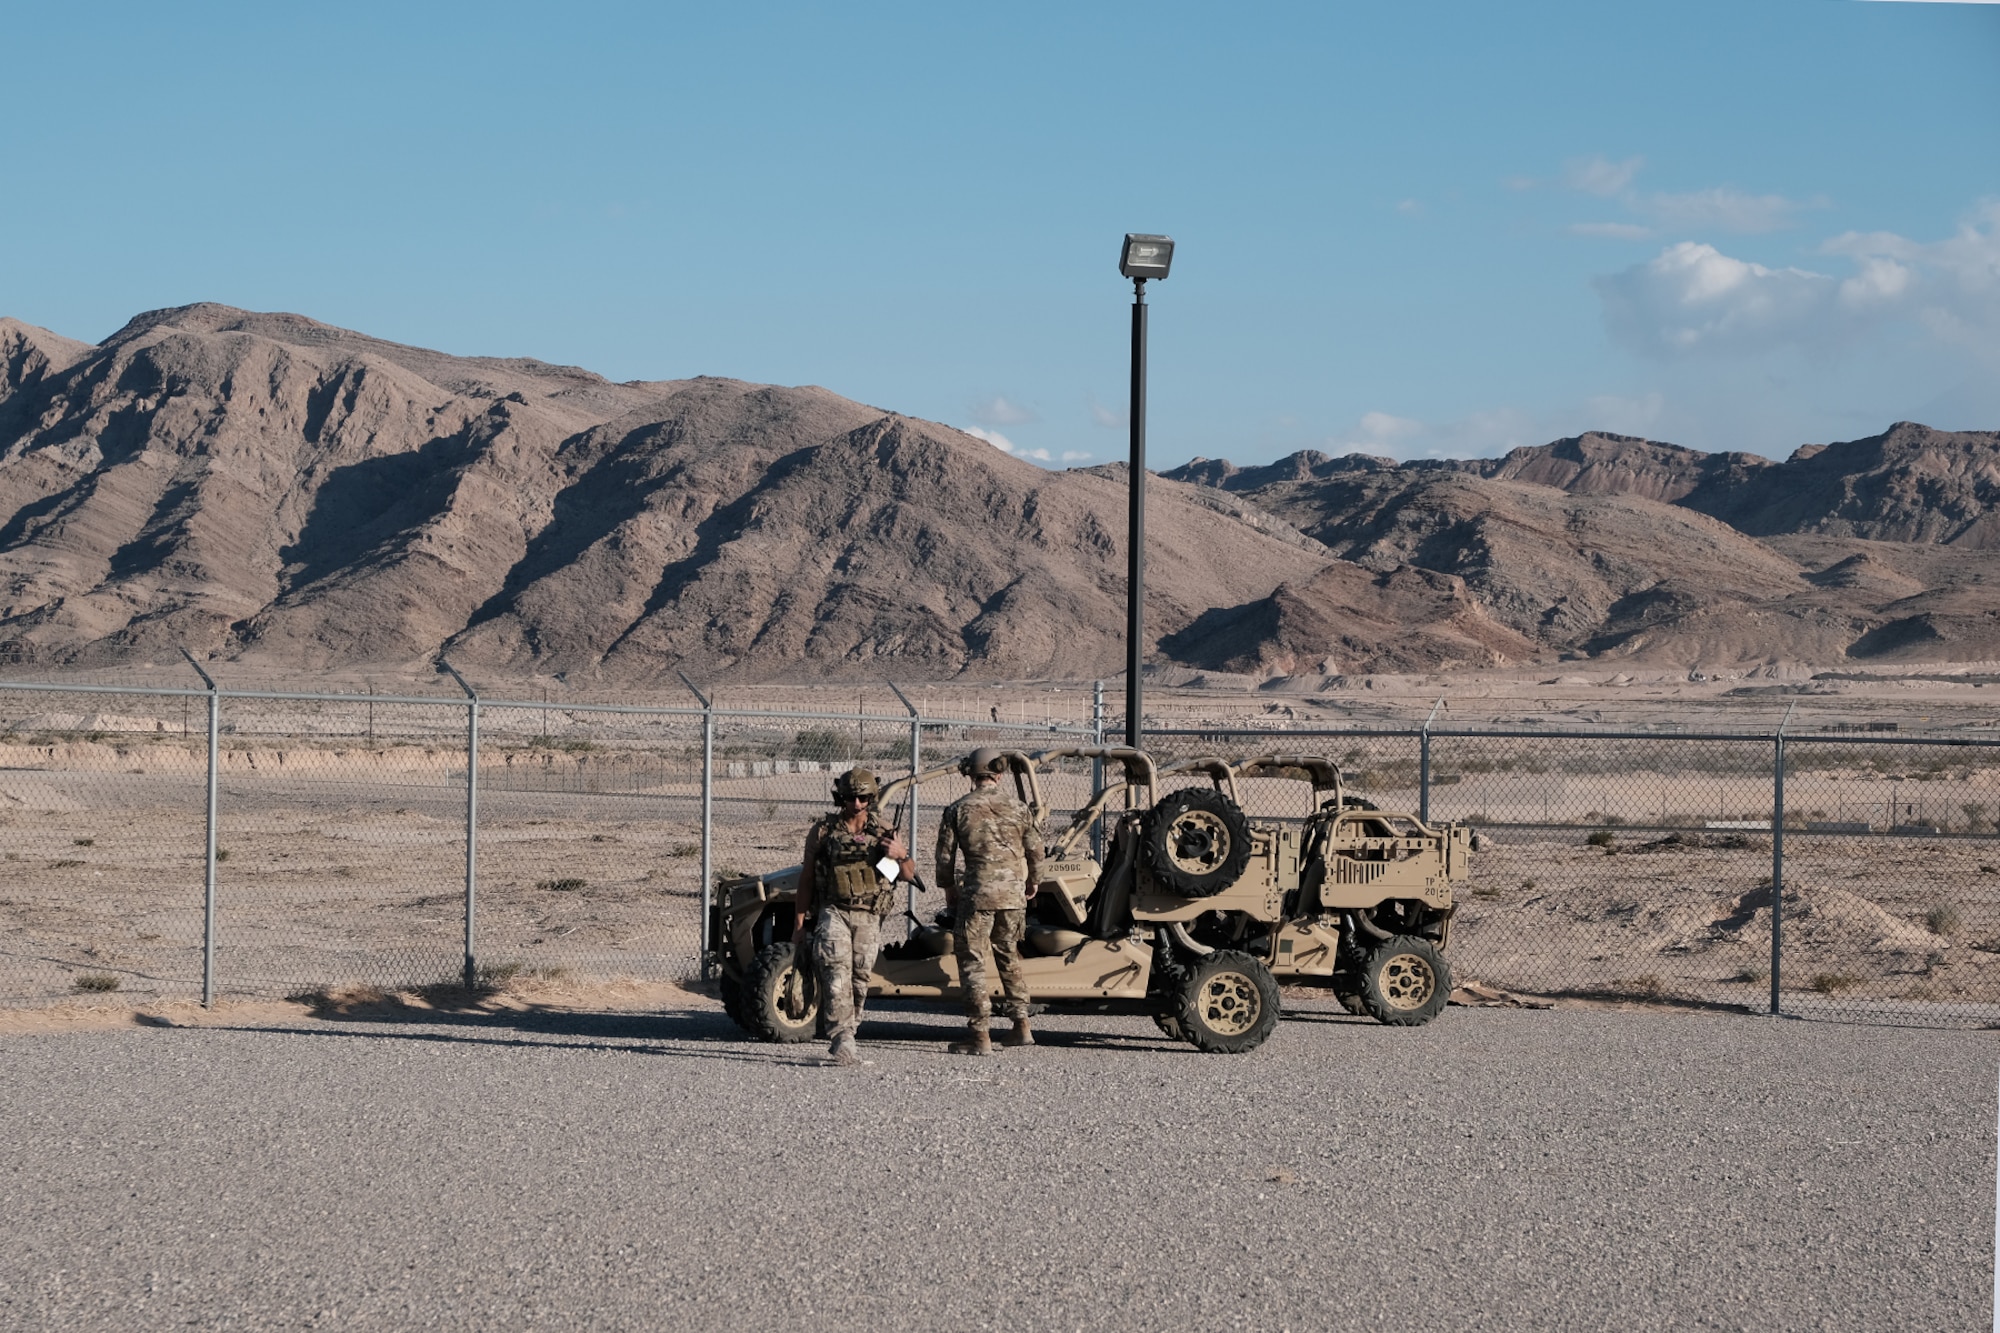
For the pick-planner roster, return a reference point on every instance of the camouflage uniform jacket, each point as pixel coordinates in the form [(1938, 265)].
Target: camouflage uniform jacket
[(844, 872), (1002, 847)]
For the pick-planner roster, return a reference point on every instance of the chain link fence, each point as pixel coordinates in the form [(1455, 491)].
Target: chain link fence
[(396, 841), (1643, 866)]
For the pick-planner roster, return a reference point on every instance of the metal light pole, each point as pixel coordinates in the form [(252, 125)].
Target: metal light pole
[(1143, 257)]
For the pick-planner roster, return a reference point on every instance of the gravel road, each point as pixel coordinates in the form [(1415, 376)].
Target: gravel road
[(1572, 1169)]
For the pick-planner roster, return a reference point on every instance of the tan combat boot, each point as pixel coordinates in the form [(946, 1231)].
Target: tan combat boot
[(978, 1041), (1020, 1036)]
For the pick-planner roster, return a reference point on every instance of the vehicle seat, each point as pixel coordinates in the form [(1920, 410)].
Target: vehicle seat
[(1048, 943), (1111, 899)]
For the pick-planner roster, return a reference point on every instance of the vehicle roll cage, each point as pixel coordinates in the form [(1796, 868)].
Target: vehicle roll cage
[(1139, 775)]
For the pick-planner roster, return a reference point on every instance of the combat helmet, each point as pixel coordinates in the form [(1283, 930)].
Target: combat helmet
[(983, 762), (856, 782)]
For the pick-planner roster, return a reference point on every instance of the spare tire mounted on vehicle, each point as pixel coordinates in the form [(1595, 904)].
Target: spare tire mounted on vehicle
[(1196, 842)]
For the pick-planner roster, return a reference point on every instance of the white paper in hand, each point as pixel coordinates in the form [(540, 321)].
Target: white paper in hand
[(887, 867)]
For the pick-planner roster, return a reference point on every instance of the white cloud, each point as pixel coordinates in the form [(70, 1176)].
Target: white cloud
[(1880, 282), (1952, 286), (1490, 432), (999, 411), (1075, 456), (1007, 446), (1625, 416), (1600, 176), (1105, 417), (1379, 433), (1617, 231), (1382, 427), (1721, 209), (1410, 208), (1692, 298)]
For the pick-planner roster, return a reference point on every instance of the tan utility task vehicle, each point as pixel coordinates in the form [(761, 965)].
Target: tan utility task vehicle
[(1192, 916), (1351, 897)]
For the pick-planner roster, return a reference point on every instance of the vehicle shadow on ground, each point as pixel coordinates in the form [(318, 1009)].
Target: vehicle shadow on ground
[(691, 1033), (699, 1034)]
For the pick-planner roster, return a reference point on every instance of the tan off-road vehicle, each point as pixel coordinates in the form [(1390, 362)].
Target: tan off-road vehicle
[(1193, 915)]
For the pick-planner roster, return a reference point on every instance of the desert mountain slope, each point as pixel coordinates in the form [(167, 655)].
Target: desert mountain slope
[(1601, 544), (274, 489), (1596, 463), (1908, 484), (894, 541), (206, 463), (266, 486)]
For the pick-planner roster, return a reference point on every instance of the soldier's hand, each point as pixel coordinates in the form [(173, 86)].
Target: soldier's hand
[(894, 847)]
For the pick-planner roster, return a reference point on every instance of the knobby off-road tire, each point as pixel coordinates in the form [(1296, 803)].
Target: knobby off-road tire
[(1228, 1004), (780, 997), (1406, 982), (1163, 989), (732, 999), (1196, 842)]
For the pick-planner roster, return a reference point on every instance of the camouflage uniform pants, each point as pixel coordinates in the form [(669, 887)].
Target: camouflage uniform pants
[(986, 936), (844, 945)]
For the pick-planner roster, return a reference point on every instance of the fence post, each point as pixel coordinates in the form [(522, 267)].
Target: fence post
[(1778, 858), (1424, 765), (471, 824), (208, 856), (1097, 766), (707, 813), (916, 796)]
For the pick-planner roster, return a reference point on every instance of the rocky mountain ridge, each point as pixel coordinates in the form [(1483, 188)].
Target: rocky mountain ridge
[(267, 488)]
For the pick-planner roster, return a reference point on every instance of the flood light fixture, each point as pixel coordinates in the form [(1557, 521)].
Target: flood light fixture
[(1146, 256)]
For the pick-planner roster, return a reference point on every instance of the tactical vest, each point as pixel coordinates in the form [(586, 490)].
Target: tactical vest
[(846, 872)]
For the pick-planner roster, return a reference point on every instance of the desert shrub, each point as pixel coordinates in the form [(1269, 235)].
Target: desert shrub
[(1752, 972), (1832, 983), (83, 842), (95, 981), (66, 863), (1944, 919), (684, 850), (1603, 837), (567, 884), (492, 976), (825, 743)]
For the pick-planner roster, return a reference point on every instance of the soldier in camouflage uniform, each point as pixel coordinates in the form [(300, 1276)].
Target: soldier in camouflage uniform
[(1003, 853), (844, 896)]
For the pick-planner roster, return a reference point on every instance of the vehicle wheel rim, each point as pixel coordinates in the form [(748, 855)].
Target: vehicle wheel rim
[(1198, 842), (1230, 1003), (1408, 981)]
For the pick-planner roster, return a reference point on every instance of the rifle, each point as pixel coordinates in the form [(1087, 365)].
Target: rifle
[(897, 828)]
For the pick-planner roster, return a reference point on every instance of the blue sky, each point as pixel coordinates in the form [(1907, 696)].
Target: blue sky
[(1415, 229)]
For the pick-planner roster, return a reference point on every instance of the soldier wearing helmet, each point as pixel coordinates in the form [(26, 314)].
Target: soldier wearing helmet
[(844, 895), (1002, 847)]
